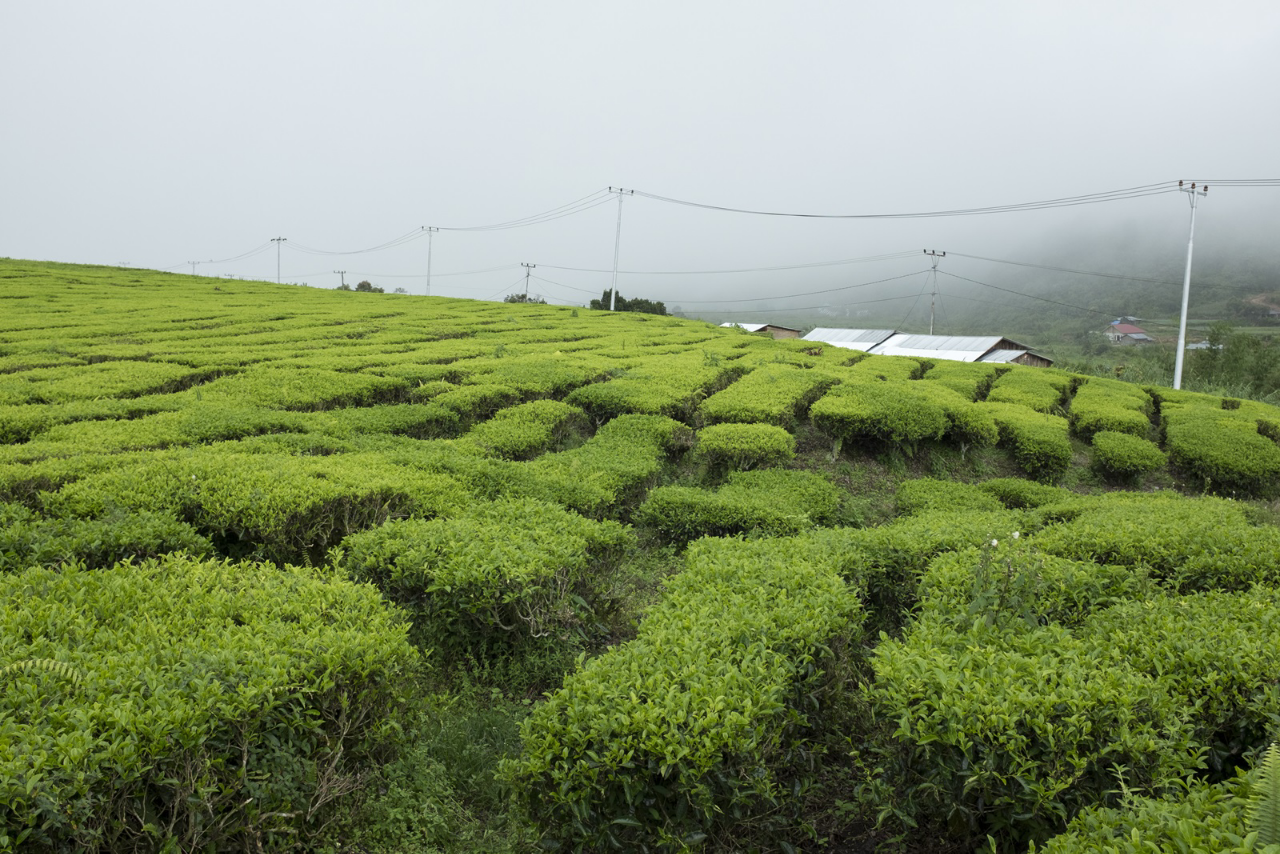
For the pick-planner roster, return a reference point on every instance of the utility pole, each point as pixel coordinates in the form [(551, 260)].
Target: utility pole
[(193, 266), (430, 229), (933, 299), (527, 269), (277, 241), (1193, 195), (617, 245), (343, 274)]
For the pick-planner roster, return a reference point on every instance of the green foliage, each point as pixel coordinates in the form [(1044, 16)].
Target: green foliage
[(919, 496), (524, 431), (492, 578), (27, 540), (1188, 544), (607, 302), (775, 394), (971, 380), (1110, 405), (218, 705), (769, 502), (894, 369), (1017, 494), (1039, 442), (1264, 806), (697, 729), (1197, 817), (670, 386), (1122, 455), (1222, 448), (744, 446), (883, 411), (1041, 389)]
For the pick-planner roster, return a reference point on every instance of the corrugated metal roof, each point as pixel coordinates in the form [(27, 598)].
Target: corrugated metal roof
[(959, 348), (1002, 355), (1127, 329), (854, 339)]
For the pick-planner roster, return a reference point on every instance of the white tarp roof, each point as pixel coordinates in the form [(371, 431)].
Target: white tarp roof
[(959, 348), (1002, 355), (854, 339)]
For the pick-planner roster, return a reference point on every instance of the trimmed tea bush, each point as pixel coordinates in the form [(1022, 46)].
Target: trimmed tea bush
[(771, 394), (971, 380), (1121, 455), (1038, 442), (771, 502), (883, 411), (189, 704), (744, 446), (524, 431), (27, 540), (496, 574), (1227, 454), (1041, 389), (1017, 493), (919, 496), (703, 720), (1111, 405)]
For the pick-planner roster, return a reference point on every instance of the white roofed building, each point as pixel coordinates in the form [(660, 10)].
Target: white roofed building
[(853, 339), (957, 348)]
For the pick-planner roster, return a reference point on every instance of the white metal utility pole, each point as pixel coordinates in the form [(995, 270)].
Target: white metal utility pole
[(617, 245), (528, 268), (1194, 195), (277, 241), (933, 299), (431, 229)]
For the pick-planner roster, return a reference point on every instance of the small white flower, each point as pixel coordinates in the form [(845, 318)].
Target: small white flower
[(1015, 535), (995, 542)]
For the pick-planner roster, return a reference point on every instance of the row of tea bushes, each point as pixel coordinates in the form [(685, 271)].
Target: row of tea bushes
[(777, 394), (188, 705), (1118, 407), (768, 502), (86, 382), (1038, 441), (730, 447), (1040, 389), (701, 725), (1226, 447), (524, 431), (1123, 456), (971, 380), (27, 540), (671, 386), (494, 575)]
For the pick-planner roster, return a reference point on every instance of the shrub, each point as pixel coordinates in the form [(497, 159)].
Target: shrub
[(1017, 493), (1122, 455), (189, 704), (775, 394), (771, 502), (971, 380), (884, 411), (1009, 731), (494, 576), (27, 540), (702, 721), (1227, 454), (968, 423), (524, 431), (1038, 442), (1110, 405), (744, 446), (919, 496), (894, 369), (1188, 544), (1041, 389)]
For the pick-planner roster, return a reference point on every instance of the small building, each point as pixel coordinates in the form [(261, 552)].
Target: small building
[(961, 348), (852, 339), (958, 348), (1126, 334), (768, 328)]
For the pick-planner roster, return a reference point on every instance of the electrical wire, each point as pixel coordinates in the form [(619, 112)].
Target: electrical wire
[(1028, 296), (812, 307), (433, 275), (1065, 201), (504, 290), (561, 285), (888, 257), (806, 294)]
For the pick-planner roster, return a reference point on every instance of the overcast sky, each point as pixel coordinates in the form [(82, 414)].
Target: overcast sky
[(159, 133)]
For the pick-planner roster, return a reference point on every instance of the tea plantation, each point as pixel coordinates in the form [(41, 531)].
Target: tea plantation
[(291, 569)]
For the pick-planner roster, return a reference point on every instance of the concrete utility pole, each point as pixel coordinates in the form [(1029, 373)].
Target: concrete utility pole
[(527, 269), (1193, 195), (277, 241), (430, 229), (933, 299), (193, 266), (343, 274), (617, 245)]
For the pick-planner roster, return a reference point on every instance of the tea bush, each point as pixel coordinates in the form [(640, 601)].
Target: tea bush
[(1041, 389), (744, 446), (1039, 442), (703, 720), (494, 575), (1122, 455), (1017, 494), (971, 380), (919, 496), (189, 704), (883, 411), (27, 540), (524, 431), (1111, 405), (777, 394)]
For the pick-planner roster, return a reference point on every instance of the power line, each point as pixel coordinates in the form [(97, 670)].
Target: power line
[(811, 307), (806, 294), (887, 257), (1065, 201), (1028, 296)]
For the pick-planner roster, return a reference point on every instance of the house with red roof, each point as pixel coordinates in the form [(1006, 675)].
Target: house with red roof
[(1126, 333)]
